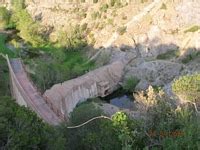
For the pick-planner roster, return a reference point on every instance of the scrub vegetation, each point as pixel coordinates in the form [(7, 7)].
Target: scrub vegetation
[(161, 125)]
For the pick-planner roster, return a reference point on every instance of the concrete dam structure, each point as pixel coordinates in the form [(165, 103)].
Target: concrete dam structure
[(64, 97), (57, 102), (25, 94)]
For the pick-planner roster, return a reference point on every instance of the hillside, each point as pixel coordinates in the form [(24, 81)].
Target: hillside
[(118, 74)]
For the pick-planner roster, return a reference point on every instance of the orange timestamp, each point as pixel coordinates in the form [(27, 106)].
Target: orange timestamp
[(163, 134)]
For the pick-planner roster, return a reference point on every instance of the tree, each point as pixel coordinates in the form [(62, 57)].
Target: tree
[(20, 128)]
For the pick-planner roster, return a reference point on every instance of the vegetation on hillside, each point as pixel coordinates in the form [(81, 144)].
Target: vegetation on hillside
[(49, 63), (161, 124), (188, 87), (130, 84), (29, 30), (57, 66), (3, 48), (20, 128), (164, 127), (4, 18)]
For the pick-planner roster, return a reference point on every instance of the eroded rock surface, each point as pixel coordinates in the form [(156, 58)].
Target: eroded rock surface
[(156, 73)]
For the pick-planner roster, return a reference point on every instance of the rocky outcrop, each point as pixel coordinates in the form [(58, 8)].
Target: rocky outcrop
[(64, 97), (156, 73)]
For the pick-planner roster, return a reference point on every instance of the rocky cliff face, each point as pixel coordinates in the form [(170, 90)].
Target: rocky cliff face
[(101, 19), (165, 25)]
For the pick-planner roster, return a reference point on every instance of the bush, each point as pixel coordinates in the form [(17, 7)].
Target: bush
[(144, 1), (17, 125), (121, 30), (61, 66), (73, 38), (116, 3), (187, 87), (124, 17), (110, 21), (164, 6), (172, 126), (18, 4), (169, 54), (95, 15), (90, 135), (4, 78), (95, 1), (30, 30), (192, 29), (84, 27), (130, 84), (84, 112), (3, 48), (104, 8), (4, 18), (190, 57)]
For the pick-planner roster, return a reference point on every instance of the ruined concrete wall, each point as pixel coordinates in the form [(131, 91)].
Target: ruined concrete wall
[(25, 94), (16, 89), (64, 97)]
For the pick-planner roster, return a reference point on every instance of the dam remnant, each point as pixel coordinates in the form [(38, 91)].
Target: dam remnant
[(64, 97)]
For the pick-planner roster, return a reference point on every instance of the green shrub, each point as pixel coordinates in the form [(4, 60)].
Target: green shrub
[(89, 135), (4, 78), (169, 54), (121, 30), (95, 15), (193, 55), (30, 31), (17, 125), (144, 1), (110, 21), (104, 8), (188, 132), (192, 29), (112, 3), (116, 3), (95, 1), (130, 84), (188, 87), (84, 27), (124, 17), (73, 39), (61, 66), (84, 112), (4, 18), (172, 126), (164, 6), (114, 13), (18, 4), (3, 48)]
